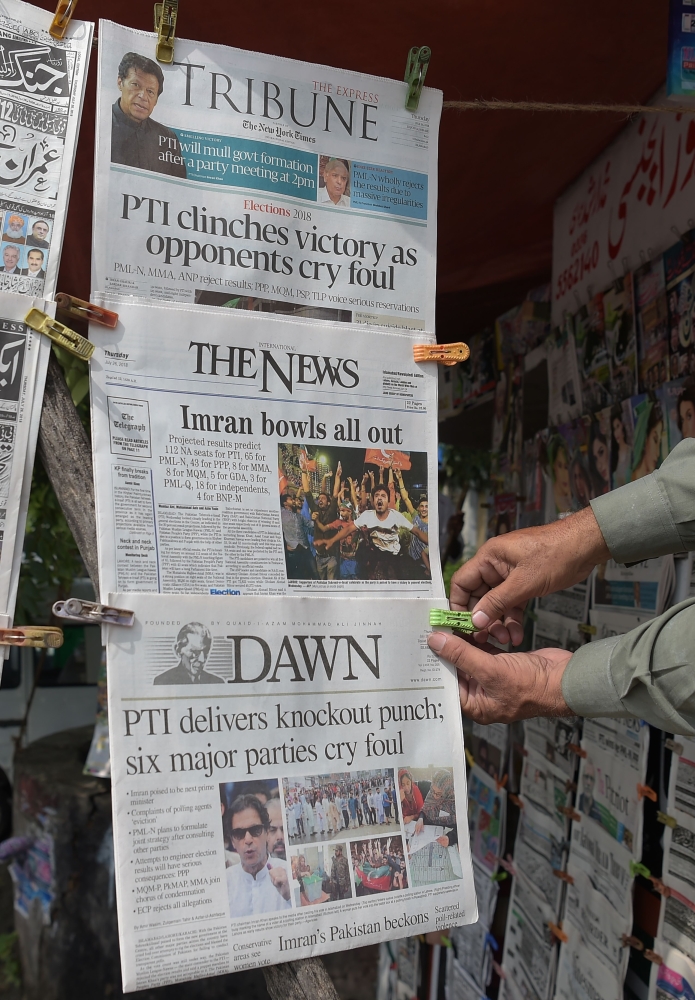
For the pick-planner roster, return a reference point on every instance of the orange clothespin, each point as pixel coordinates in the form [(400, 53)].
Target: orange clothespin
[(501, 782), (645, 792), (570, 786), (86, 310), (653, 956), (557, 932), (445, 354), (630, 941), (44, 637), (565, 876), (62, 18), (662, 889), (575, 748), (515, 800), (570, 812)]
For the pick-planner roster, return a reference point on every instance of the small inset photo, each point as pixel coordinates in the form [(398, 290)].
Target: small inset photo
[(378, 865), (320, 874), (15, 228), (323, 807), (257, 871), (334, 181), (428, 805)]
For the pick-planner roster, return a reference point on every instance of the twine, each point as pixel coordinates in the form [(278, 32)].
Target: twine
[(494, 104)]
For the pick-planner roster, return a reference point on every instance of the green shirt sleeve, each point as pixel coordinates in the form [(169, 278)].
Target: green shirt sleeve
[(655, 515), (648, 673)]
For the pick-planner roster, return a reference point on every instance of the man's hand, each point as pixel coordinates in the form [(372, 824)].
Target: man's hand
[(495, 686), (278, 876), (510, 569)]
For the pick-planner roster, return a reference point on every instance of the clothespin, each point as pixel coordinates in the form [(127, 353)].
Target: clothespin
[(515, 800), (85, 310), (575, 748), (637, 868), (469, 757), (586, 629), (630, 941), (508, 865), (653, 956), (659, 886), (462, 620), (674, 747), (557, 931), (645, 792), (570, 786), (666, 820), (61, 18), (59, 334), (565, 876), (445, 354), (88, 611), (491, 941), (498, 877), (570, 812), (165, 25), (43, 637), (499, 970), (501, 783), (415, 73)]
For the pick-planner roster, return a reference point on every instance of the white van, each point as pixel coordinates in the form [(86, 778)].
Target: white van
[(44, 691)]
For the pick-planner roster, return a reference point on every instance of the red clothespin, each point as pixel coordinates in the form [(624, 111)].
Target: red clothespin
[(575, 748), (86, 310), (61, 18), (557, 932), (445, 354), (565, 876), (645, 792)]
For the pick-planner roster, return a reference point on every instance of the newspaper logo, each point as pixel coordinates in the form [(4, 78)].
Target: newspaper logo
[(12, 348), (39, 70)]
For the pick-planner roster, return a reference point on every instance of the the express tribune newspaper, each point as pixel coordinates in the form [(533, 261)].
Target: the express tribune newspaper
[(240, 453), (234, 178), (288, 780)]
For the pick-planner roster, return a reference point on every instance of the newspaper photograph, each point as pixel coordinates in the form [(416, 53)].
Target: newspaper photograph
[(262, 456), (23, 364), (250, 181), (42, 83), (260, 820)]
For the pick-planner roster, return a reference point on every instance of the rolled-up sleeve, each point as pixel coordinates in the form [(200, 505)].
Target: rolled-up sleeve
[(655, 515), (648, 673)]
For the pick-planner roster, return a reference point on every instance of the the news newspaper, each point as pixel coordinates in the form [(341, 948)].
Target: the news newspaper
[(238, 453), (288, 780), (236, 179)]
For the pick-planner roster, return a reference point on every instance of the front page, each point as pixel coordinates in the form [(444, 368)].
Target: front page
[(243, 454), (265, 756), (250, 181), (42, 83)]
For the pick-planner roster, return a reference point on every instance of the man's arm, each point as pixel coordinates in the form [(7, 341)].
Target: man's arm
[(306, 488)]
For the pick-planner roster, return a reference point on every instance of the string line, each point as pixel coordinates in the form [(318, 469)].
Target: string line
[(494, 104)]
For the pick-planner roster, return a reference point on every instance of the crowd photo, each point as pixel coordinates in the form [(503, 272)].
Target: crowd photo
[(379, 865), (320, 874), (257, 872), (428, 805), (324, 807), (354, 513)]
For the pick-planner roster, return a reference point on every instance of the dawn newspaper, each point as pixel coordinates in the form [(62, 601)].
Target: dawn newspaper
[(250, 181), (246, 454), (42, 83), (288, 780)]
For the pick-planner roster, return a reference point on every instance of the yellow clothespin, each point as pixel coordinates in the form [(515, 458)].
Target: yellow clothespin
[(445, 354), (59, 334), (25, 635), (61, 18), (415, 72), (165, 25), (667, 820)]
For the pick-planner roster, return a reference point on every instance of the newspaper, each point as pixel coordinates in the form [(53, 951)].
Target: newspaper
[(679, 846), (645, 586), (674, 978), (42, 83), (580, 976), (487, 808), (607, 864), (321, 863), (554, 740), (23, 364), (530, 955), (269, 468), (599, 924), (539, 851), (250, 181), (546, 786)]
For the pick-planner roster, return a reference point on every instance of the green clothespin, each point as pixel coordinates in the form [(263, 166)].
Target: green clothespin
[(637, 868), (415, 72), (461, 620)]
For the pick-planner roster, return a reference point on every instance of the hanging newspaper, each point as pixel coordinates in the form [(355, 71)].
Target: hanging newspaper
[(249, 181), (677, 918), (259, 822), (298, 462), (42, 85), (23, 364)]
